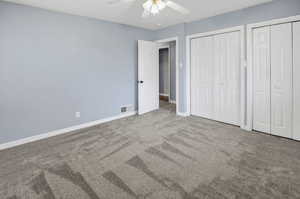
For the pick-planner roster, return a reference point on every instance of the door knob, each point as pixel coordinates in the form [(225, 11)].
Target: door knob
[(140, 82)]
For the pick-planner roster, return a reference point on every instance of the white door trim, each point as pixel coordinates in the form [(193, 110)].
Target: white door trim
[(243, 67), (176, 39), (250, 28), (163, 47)]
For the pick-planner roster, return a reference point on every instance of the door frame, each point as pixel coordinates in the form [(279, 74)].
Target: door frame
[(250, 28), (243, 67), (176, 39), (169, 68)]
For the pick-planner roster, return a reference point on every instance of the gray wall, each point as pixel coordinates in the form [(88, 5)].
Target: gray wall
[(53, 64), (164, 71), (263, 12)]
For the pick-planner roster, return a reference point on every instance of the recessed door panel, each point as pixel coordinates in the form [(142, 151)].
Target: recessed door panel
[(281, 80), (261, 80), (202, 77)]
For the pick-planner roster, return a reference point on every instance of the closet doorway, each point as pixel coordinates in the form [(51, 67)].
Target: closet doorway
[(273, 87), (216, 83)]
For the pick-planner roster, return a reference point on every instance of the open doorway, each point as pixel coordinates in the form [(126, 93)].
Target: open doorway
[(167, 75), (149, 76)]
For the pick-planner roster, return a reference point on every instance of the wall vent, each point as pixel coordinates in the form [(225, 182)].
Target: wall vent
[(123, 109), (126, 108)]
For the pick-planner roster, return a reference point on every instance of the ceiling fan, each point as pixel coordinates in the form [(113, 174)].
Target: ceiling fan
[(153, 7)]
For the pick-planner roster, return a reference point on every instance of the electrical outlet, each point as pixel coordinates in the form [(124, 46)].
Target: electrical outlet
[(77, 114)]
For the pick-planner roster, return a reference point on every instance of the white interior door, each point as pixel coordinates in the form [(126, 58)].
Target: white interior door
[(281, 80), (148, 77), (215, 77), (202, 77), (261, 80), (296, 80)]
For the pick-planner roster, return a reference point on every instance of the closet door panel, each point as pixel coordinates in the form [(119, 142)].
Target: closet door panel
[(202, 77), (261, 80), (227, 77), (296, 81), (281, 80), (233, 77), (220, 77)]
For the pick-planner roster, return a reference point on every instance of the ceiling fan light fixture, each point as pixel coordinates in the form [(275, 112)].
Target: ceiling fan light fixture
[(161, 5), (154, 9), (154, 6)]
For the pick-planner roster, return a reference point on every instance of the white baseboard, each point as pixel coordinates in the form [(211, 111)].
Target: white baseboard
[(246, 128), (163, 94), (172, 101), (183, 114), (63, 131)]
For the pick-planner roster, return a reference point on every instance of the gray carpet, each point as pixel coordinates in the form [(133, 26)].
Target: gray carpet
[(155, 156)]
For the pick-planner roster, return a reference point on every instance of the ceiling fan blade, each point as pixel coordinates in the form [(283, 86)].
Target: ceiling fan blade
[(147, 5), (113, 2), (177, 7)]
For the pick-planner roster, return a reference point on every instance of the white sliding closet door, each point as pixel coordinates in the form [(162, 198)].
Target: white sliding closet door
[(215, 77), (296, 80), (281, 80), (227, 77), (202, 77), (261, 80), (220, 88), (234, 78)]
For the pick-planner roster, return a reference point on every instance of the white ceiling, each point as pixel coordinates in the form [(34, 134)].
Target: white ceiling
[(130, 13)]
